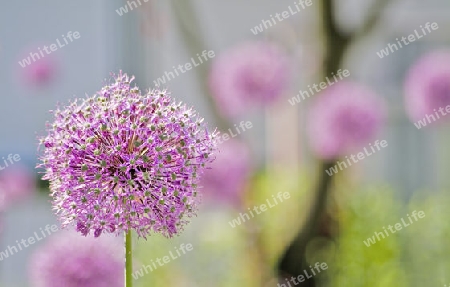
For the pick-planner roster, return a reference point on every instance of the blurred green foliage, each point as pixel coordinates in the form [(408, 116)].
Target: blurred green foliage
[(416, 255), (246, 255), (352, 263)]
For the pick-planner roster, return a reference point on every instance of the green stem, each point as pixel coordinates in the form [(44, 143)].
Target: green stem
[(128, 260)]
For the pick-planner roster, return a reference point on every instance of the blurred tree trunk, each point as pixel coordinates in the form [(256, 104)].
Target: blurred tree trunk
[(318, 223)]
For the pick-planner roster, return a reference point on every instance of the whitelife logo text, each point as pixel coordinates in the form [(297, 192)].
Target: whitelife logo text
[(262, 208), (124, 9), (377, 146), (300, 278), (11, 159), (406, 41), (266, 24), (49, 49), (225, 136), (398, 226), (432, 118), (204, 57), (183, 249), (24, 243), (316, 88)]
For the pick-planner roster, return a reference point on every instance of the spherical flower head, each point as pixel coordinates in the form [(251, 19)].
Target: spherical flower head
[(17, 183), (343, 119), (427, 86), (70, 260), (123, 160), (226, 180), (248, 74)]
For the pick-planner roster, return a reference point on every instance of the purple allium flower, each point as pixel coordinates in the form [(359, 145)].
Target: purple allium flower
[(226, 179), (248, 74), (70, 260), (17, 183), (343, 119), (121, 160), (427, 87)]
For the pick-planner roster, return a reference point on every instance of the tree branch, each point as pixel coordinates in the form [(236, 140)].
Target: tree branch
[(187, 23), (373, 18), (293, 261)]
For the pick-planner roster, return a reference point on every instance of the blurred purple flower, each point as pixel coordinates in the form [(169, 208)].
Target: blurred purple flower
[(225, 181), (40, 72), (122, 160), (427, 86), (253, 73), (343, 119), (17, 183), (70, 260)]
